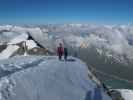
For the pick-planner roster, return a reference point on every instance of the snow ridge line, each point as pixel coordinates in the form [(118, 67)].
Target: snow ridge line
[(23, 67)]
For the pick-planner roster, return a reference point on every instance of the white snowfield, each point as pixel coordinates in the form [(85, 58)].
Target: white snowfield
[(30, 44), (126, 94), (46, 78), (18, 39)]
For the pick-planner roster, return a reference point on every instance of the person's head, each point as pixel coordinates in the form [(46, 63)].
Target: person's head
[(60, 44)]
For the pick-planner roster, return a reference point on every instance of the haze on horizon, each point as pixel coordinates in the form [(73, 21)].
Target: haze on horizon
[(66, 11)]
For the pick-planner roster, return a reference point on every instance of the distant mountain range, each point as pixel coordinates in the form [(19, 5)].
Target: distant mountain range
[(114, 41)]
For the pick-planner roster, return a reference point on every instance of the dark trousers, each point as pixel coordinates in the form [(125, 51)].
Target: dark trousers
[(60, 57), (65, 56)]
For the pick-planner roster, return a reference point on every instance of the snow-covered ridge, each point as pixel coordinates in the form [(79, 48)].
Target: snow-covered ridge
[(46, 78)]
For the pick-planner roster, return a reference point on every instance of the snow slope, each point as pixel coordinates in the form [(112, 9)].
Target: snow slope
[(30, 44), (7, 36), (40, 36), (46, 78), (19, 38), (8, 51), (126, 94)]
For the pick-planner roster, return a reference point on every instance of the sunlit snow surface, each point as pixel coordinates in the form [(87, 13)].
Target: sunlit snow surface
[(46, 78), (126, 94), (19, 39), (8, 51)]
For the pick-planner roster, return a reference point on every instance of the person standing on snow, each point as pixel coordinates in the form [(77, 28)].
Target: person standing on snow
[(65, 53), (60, 51)]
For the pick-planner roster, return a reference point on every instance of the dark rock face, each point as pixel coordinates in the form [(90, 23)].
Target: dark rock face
[(38, 51), (2, 47), (34, 51)]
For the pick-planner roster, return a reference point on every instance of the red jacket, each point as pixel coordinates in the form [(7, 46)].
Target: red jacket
[(60, 51)]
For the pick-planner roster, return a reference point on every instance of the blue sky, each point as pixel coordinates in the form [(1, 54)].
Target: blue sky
[(66, 11)]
